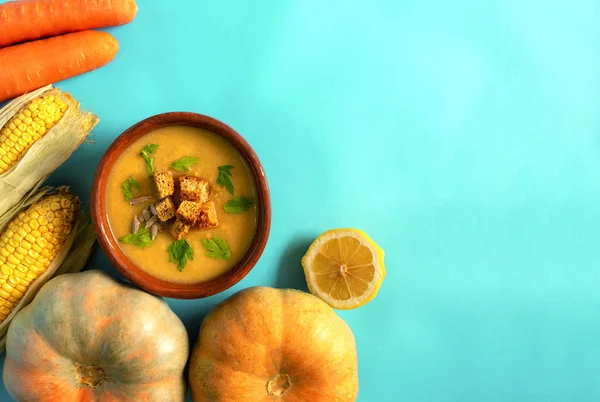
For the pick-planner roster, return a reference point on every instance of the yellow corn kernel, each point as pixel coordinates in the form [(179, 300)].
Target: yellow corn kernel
[(26, 253), (27, 126), (17, 295), (4, 295)]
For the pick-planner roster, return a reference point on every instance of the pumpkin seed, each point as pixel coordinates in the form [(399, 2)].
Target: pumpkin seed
[(151, 221), (139, 200), (135, 225), (146, 214), (154, 230)]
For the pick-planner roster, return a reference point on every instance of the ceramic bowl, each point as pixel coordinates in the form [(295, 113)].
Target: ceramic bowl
[(109, 243)]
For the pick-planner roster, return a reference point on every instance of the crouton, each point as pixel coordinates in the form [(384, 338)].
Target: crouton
[(165, 209), (188, 212), (208, 216), (179, 229), (165, 185), (194, 188)]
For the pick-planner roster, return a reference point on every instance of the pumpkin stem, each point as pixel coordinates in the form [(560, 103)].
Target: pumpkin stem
[(90, 376), (279, 384)]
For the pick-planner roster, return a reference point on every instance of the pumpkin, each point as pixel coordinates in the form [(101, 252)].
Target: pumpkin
[(265, 344), (88, 337)]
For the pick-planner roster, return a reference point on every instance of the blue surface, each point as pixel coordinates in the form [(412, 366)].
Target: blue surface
[(463, 136)]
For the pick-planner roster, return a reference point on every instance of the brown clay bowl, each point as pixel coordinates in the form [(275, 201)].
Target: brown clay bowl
[(110, 245)]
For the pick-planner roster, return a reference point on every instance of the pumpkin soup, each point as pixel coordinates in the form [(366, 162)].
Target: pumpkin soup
[(181, 202)]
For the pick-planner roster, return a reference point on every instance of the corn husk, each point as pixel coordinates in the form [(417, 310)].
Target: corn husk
[(47, 154), (71, 259)]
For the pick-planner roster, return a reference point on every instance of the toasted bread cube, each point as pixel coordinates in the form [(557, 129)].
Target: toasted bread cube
[(208, 216), (165, 185), (179, 229), (194, 188), (188, 212), (165, 209)]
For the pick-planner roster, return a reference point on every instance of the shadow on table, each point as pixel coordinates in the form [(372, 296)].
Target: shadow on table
[(290, 273)]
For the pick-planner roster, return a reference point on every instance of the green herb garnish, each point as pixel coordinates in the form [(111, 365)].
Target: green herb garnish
[(239, 204), (128, 186), (184, 164), (180, 252), (146, 151), (224, 180), (141, 238), (217, 248)]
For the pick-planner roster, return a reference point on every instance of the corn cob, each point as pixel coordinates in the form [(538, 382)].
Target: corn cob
[(30, 244), (28, 125), (27, 162)]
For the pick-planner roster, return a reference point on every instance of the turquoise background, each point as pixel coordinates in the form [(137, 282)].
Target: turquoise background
[(463, 136)]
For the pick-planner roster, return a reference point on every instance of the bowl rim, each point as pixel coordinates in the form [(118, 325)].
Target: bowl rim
[(109, 243)]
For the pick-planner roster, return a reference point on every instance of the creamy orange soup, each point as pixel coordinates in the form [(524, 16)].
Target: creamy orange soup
[(176, 142)]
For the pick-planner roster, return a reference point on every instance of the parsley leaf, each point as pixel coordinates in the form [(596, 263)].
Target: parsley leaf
[(224, 180), (128, 186), (141, 238), (146, 151), (217, 248), (184, 164), (180, 252), (239, 204)]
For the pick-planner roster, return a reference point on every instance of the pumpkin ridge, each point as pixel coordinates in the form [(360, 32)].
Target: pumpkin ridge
[(236, 303)]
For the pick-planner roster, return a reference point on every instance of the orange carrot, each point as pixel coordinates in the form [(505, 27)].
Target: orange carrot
[(32, 65), (33, 19)]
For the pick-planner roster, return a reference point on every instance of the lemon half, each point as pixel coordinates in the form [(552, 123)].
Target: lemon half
[(344, 267)]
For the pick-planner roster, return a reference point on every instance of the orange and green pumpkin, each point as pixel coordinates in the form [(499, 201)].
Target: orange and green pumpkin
[(265, 344), (87, 337)]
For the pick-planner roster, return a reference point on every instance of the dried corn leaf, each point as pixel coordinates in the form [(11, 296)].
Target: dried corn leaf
[(72, 258), (47, 154)]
